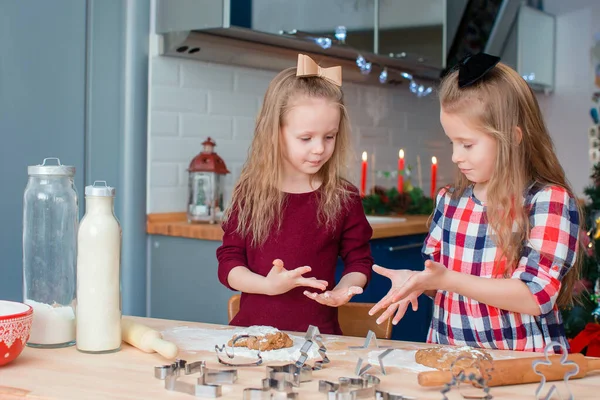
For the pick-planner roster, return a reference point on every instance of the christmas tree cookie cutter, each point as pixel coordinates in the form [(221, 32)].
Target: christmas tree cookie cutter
[(208, 383), (563, 361), (227, 361), (313, 336)]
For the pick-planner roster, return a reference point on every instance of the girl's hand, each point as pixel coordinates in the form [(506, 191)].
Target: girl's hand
[(280, 280), (398, 307), (336, 297), (430, 278)]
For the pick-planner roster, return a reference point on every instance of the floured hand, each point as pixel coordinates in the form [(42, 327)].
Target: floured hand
[(281, 280), (336, 297)]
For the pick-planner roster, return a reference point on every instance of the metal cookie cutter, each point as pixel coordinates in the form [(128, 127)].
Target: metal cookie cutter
[(360, 371), (313, 335), (271, 389), (364, 387), (207, 385), (568, 374), (290, 373), (223, 349), (370, 338), (380, 395), (479, 380)]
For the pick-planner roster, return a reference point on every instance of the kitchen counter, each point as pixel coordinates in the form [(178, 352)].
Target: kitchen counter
[(48, 374), (175, 224)]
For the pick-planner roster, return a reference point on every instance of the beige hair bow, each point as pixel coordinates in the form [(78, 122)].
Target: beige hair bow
[(307, 67)]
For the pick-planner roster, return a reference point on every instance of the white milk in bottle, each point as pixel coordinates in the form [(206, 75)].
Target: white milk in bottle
[(99, 273)]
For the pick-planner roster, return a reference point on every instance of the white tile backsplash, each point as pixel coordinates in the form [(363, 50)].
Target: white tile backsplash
[(200, 126), (191, 100)]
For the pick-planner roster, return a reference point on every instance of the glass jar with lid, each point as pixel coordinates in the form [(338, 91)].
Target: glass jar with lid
[(50, 223)]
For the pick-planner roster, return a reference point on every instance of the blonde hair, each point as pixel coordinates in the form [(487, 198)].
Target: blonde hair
[(498, 104), (257, 199)]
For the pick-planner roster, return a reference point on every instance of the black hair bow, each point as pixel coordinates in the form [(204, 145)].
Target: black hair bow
[(473, 67)]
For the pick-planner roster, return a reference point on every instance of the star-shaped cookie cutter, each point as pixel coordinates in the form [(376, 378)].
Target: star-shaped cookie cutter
[(370, 338), (208, 383), (313, 335), (563, 361), (479, 380), (364, 387), (226, 361), (360, 370)]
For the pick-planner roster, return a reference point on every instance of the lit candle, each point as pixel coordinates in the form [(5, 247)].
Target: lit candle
[(401, 171), (363, 175), (433, 176)]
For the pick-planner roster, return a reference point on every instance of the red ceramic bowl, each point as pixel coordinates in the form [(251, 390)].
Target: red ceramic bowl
[(15, 325)]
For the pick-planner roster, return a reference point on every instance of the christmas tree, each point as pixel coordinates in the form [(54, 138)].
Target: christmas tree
[(586, 309)]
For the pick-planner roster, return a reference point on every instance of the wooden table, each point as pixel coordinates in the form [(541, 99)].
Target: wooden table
[(128, 374)]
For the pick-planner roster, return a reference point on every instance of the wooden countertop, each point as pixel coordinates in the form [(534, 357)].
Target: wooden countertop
[(175, 224), (49, 374)]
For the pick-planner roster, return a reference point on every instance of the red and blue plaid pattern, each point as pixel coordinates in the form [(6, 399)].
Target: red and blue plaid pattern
[(459, 238)]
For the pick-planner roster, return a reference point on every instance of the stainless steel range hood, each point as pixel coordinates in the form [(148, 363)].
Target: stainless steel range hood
[(202, 30), (246, 47)]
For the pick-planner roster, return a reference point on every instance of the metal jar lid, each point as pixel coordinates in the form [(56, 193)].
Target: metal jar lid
[(58, 169), (100, 191)]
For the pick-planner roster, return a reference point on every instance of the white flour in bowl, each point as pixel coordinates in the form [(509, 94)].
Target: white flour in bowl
[(200, 339)]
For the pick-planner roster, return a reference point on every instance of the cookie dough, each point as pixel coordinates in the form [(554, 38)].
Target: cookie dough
[(264, 339), (442, 357)]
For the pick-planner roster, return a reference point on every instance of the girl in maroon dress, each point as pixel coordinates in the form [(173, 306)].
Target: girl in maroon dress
[(293, 204)]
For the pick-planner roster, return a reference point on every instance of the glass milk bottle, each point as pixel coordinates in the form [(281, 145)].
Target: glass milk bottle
[(50, 217), (99, 273)]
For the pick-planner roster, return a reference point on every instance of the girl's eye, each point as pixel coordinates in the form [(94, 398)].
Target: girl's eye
[(305, 139), (330, 137), (467, 146)]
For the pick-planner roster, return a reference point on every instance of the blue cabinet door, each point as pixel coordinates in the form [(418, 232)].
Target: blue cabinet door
[(403, 252)]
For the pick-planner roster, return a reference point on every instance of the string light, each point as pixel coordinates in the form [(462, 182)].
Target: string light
[(366, 66), (340, 34)]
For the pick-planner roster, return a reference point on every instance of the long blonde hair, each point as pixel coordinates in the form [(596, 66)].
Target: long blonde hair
[(497, 105), (257, 199)]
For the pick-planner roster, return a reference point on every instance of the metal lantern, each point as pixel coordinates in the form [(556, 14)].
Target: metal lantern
[(205, 185)]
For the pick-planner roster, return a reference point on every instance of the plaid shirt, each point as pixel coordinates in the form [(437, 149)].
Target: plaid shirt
[(459, 238)]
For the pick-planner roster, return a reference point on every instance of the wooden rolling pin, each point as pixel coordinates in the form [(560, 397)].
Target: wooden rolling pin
[(146, 339), (518, 371)]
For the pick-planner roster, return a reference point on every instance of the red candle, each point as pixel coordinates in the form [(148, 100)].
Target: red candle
[(363, 176), (401, 171), (433, 176)]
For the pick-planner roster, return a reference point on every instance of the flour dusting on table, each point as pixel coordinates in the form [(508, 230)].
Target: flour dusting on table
[(398, 358), (200, 339), (405, 358)]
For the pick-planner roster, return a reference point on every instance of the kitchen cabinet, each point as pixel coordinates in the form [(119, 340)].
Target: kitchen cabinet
[(183, 280), (530, 48), (403, 252)]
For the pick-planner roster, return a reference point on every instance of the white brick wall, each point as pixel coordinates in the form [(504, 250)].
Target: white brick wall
[(191, 100)]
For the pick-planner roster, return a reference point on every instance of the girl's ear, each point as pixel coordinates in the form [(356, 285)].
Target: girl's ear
[(518, 135)]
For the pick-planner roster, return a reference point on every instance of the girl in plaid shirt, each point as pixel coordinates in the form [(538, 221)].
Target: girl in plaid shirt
[(502, 246)]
